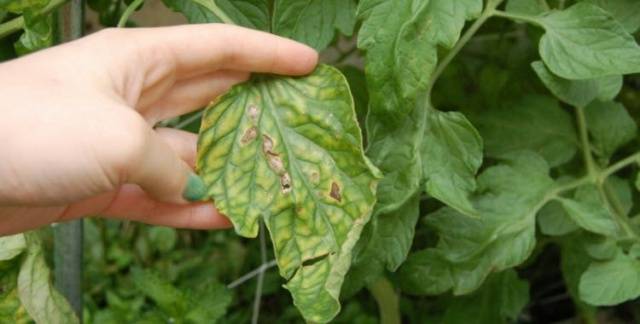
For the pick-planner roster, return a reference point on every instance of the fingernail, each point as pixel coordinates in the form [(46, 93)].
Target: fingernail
[(195, 189)]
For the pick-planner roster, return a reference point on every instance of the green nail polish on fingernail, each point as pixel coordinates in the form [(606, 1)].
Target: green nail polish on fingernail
[(195, 189)]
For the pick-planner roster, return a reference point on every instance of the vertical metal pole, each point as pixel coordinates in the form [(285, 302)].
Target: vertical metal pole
[(68, 236)]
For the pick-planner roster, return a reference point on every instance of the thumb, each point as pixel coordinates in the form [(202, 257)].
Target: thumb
[(164, 175)]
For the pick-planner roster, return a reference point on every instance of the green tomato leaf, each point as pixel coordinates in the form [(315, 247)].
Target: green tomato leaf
[(610, 125), (578, 93), (503, 235), (289, 151), (554, 221), (624, 11), (500, 300), (611, 282), (385, 243), (210, 304), (588, 210), (574, 262), (170, 299), (451, 155), (20, 6), (313, 22), (534, 123), (163, 238), (38, 33), (35, 288), (586, 42), (11, 246), (526, 7), (401, 57), (248, 13)]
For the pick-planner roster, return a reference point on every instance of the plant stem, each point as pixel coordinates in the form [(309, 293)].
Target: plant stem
[(258, 296), (17, 23), (513, 16), (486, 14), (249, 275), (634, 158), (127, 12), (586, 146), (387, 300)]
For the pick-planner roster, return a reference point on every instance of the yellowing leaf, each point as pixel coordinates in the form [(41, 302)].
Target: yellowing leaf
[(289, 151)]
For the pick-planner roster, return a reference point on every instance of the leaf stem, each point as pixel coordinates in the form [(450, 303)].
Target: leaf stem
[(17, 23), (128, 11), (258, 296), (592, 171), (513, 16), (634, 158), (387, 300), (251, 274), (486, 14)]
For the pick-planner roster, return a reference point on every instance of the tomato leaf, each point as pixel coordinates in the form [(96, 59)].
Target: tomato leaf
[(610, 125), (611, 282), (289, 151)]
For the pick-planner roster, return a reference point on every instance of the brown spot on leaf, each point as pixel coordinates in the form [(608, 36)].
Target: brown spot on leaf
[(249, 135), (253, 112), (267, 144), (285, 183), (335, 192), (315, 177)]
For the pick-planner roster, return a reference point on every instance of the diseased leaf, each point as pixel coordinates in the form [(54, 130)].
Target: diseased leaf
[(503, 235), (313, 22), (586, 42), (610, 125), (500, 300), (11, 246), (248, 13), (451, 156), (289, 151), (554, 221), (534, 123), (589, 211), (611, 282), (578, 93), (37, 294), (624, 11)]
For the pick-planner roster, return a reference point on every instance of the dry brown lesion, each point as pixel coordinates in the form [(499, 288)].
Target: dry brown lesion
[(276, 164), (249, 135), (335, 192)]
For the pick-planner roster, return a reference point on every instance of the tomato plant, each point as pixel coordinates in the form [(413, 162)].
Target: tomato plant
[(462, 161)]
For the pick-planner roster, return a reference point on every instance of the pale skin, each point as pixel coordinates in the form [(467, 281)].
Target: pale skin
[(77, 132)]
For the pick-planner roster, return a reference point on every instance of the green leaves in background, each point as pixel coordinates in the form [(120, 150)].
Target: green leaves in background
[(401, 57), (313, 22), (289, 151), (624, 11), (451, 156), (589, 211), (500, 300), (38, 33), (578, 93), (611, 282), (207, 304), (586, 42), (469, 249), (610, 126), (536, 123)]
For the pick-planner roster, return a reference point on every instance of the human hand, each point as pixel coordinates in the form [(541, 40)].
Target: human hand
[(76, 134)]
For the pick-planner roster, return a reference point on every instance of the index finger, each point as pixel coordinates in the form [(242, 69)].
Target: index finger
[(204, 48)]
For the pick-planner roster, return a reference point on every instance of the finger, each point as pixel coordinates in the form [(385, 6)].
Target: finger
[(130, 202), (188, 95), (158, 169), (182, 142), (205, 48)]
